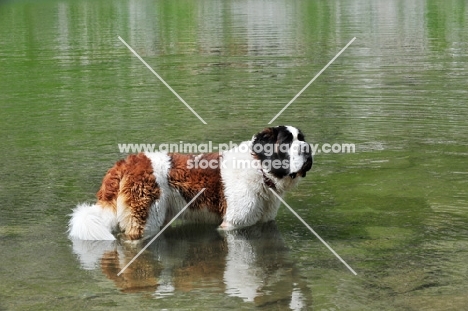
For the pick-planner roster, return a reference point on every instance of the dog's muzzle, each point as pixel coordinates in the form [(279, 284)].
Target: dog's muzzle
[(300, 159)]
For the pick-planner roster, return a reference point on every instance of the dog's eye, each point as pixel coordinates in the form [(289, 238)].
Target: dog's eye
[(285, 138)]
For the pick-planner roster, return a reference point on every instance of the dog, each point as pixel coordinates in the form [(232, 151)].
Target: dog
[(142, 193)]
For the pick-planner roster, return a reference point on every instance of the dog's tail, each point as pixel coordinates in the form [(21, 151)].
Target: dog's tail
[(92, 222)]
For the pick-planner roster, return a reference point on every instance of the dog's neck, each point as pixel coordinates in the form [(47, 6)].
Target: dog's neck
[(267, 180)]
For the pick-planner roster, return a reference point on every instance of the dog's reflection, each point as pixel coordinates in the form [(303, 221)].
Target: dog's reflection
[(250, 263)]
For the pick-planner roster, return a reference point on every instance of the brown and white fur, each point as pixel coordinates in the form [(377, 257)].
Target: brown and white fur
[(143, 192)]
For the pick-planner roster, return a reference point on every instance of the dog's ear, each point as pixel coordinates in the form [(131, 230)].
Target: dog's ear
[(268, 135), (263, 142), (266, 148)]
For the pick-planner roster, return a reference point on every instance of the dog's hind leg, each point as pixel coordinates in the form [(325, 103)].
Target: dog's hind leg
[(138, 191), (134, 205)]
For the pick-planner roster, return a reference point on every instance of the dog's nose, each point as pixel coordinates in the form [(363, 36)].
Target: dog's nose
[(309, 160)]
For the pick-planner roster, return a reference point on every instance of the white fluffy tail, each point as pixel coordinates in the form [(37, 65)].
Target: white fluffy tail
[(92, 222)]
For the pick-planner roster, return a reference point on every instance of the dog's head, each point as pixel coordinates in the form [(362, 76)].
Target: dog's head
[(282, 151)]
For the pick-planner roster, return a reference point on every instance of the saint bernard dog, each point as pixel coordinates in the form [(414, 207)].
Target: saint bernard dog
[(143, 192)]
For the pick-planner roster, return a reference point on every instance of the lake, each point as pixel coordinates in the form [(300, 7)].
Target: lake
[(395, 209)]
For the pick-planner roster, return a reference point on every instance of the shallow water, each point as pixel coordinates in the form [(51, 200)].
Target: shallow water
[(396, 210)]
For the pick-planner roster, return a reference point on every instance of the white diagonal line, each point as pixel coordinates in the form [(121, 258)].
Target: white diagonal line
[(159, 233), (313, 79), (315, 233), (162, 80)]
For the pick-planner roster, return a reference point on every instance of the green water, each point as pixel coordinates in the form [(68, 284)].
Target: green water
[(396, 210)]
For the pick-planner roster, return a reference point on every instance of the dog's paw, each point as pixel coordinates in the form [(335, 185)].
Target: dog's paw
[(226, 226)]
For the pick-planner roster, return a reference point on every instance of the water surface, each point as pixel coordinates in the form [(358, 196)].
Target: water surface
[(396, 210)]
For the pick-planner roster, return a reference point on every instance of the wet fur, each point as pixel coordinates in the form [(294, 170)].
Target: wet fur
[(143, 192)]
